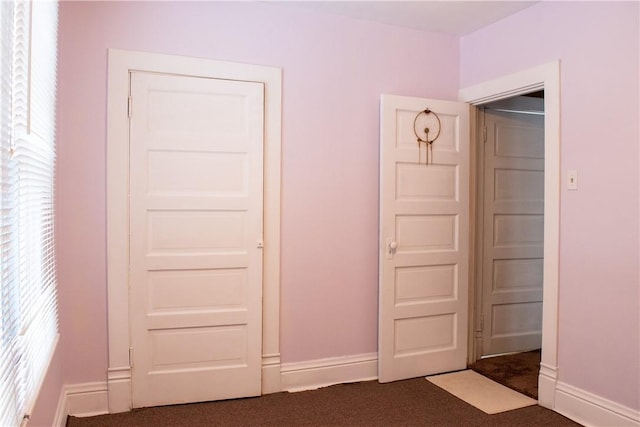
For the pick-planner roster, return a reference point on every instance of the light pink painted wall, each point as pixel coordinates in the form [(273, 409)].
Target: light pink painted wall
[(44, 409), (598, 45), (334, 70)]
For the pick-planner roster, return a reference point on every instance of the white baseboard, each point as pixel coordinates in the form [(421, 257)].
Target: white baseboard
[(318, 373), (271, 374), (60, 417), (591, 410), (85, 400), (547, 381), (88, 399), (119, 389)]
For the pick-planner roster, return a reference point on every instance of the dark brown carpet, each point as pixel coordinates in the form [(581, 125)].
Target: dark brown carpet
[(414, 402), (517, 371)]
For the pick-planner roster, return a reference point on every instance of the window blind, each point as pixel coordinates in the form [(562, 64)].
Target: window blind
[(28, 309), (9, 408)]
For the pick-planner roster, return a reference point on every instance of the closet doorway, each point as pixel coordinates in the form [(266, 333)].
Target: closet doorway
[(510, 224)]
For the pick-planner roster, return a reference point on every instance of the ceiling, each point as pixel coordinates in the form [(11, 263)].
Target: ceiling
[(445, 16)]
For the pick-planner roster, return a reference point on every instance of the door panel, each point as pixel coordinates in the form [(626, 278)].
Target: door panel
[(196, 226), (424, 232), (513, 232)]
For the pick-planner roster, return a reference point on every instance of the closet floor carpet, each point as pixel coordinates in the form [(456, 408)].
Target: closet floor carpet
[(517, 371)]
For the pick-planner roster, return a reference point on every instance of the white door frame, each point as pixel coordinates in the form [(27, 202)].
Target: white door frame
[(547, 77), (121, 62)]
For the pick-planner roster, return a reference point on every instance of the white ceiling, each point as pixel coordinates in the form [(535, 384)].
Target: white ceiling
[(445, 16)]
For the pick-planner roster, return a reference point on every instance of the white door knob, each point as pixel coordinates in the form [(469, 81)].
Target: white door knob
[(392, 247)]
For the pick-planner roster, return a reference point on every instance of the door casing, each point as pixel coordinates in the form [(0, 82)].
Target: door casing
[(120, 64), (544, 77)]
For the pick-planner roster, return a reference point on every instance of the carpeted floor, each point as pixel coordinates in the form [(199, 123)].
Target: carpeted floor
[(517, 371), (414, 402)]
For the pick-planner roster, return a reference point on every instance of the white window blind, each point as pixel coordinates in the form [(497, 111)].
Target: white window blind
[(28, 309)]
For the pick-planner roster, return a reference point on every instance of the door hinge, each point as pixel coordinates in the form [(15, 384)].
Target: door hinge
[(131, 357), (482, 322), (484, 133), (129, 107)]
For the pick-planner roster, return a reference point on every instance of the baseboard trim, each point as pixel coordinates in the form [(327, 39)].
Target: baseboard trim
[(119, 389), (60, 417), (86, 400), (547, 381), (271, 373), (318, 373), (89, 399), (592, 410)]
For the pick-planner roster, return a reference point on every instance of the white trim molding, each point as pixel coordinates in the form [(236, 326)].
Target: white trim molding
[(119, 385), (545, 77), (81, 400), (90, 399), (121, 62), (592, 410), (86, 400), (547, 383), (60, 417), (271, 375), (313, 374)]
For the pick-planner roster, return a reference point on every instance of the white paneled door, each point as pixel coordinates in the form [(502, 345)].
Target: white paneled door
[(513, 231), (196, 213), (424, 238)]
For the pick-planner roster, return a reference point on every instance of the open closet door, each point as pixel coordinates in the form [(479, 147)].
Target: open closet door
[(424, 237)]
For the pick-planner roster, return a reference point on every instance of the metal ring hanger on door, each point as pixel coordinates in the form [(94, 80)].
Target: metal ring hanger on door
[(428, 142)]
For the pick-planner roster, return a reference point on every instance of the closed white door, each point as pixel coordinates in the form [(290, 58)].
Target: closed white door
[(424, 239), (513, 229), (196, 172)]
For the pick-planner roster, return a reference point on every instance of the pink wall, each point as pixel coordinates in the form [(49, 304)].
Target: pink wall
[(598, 45), (334, 70), (44, 409)]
